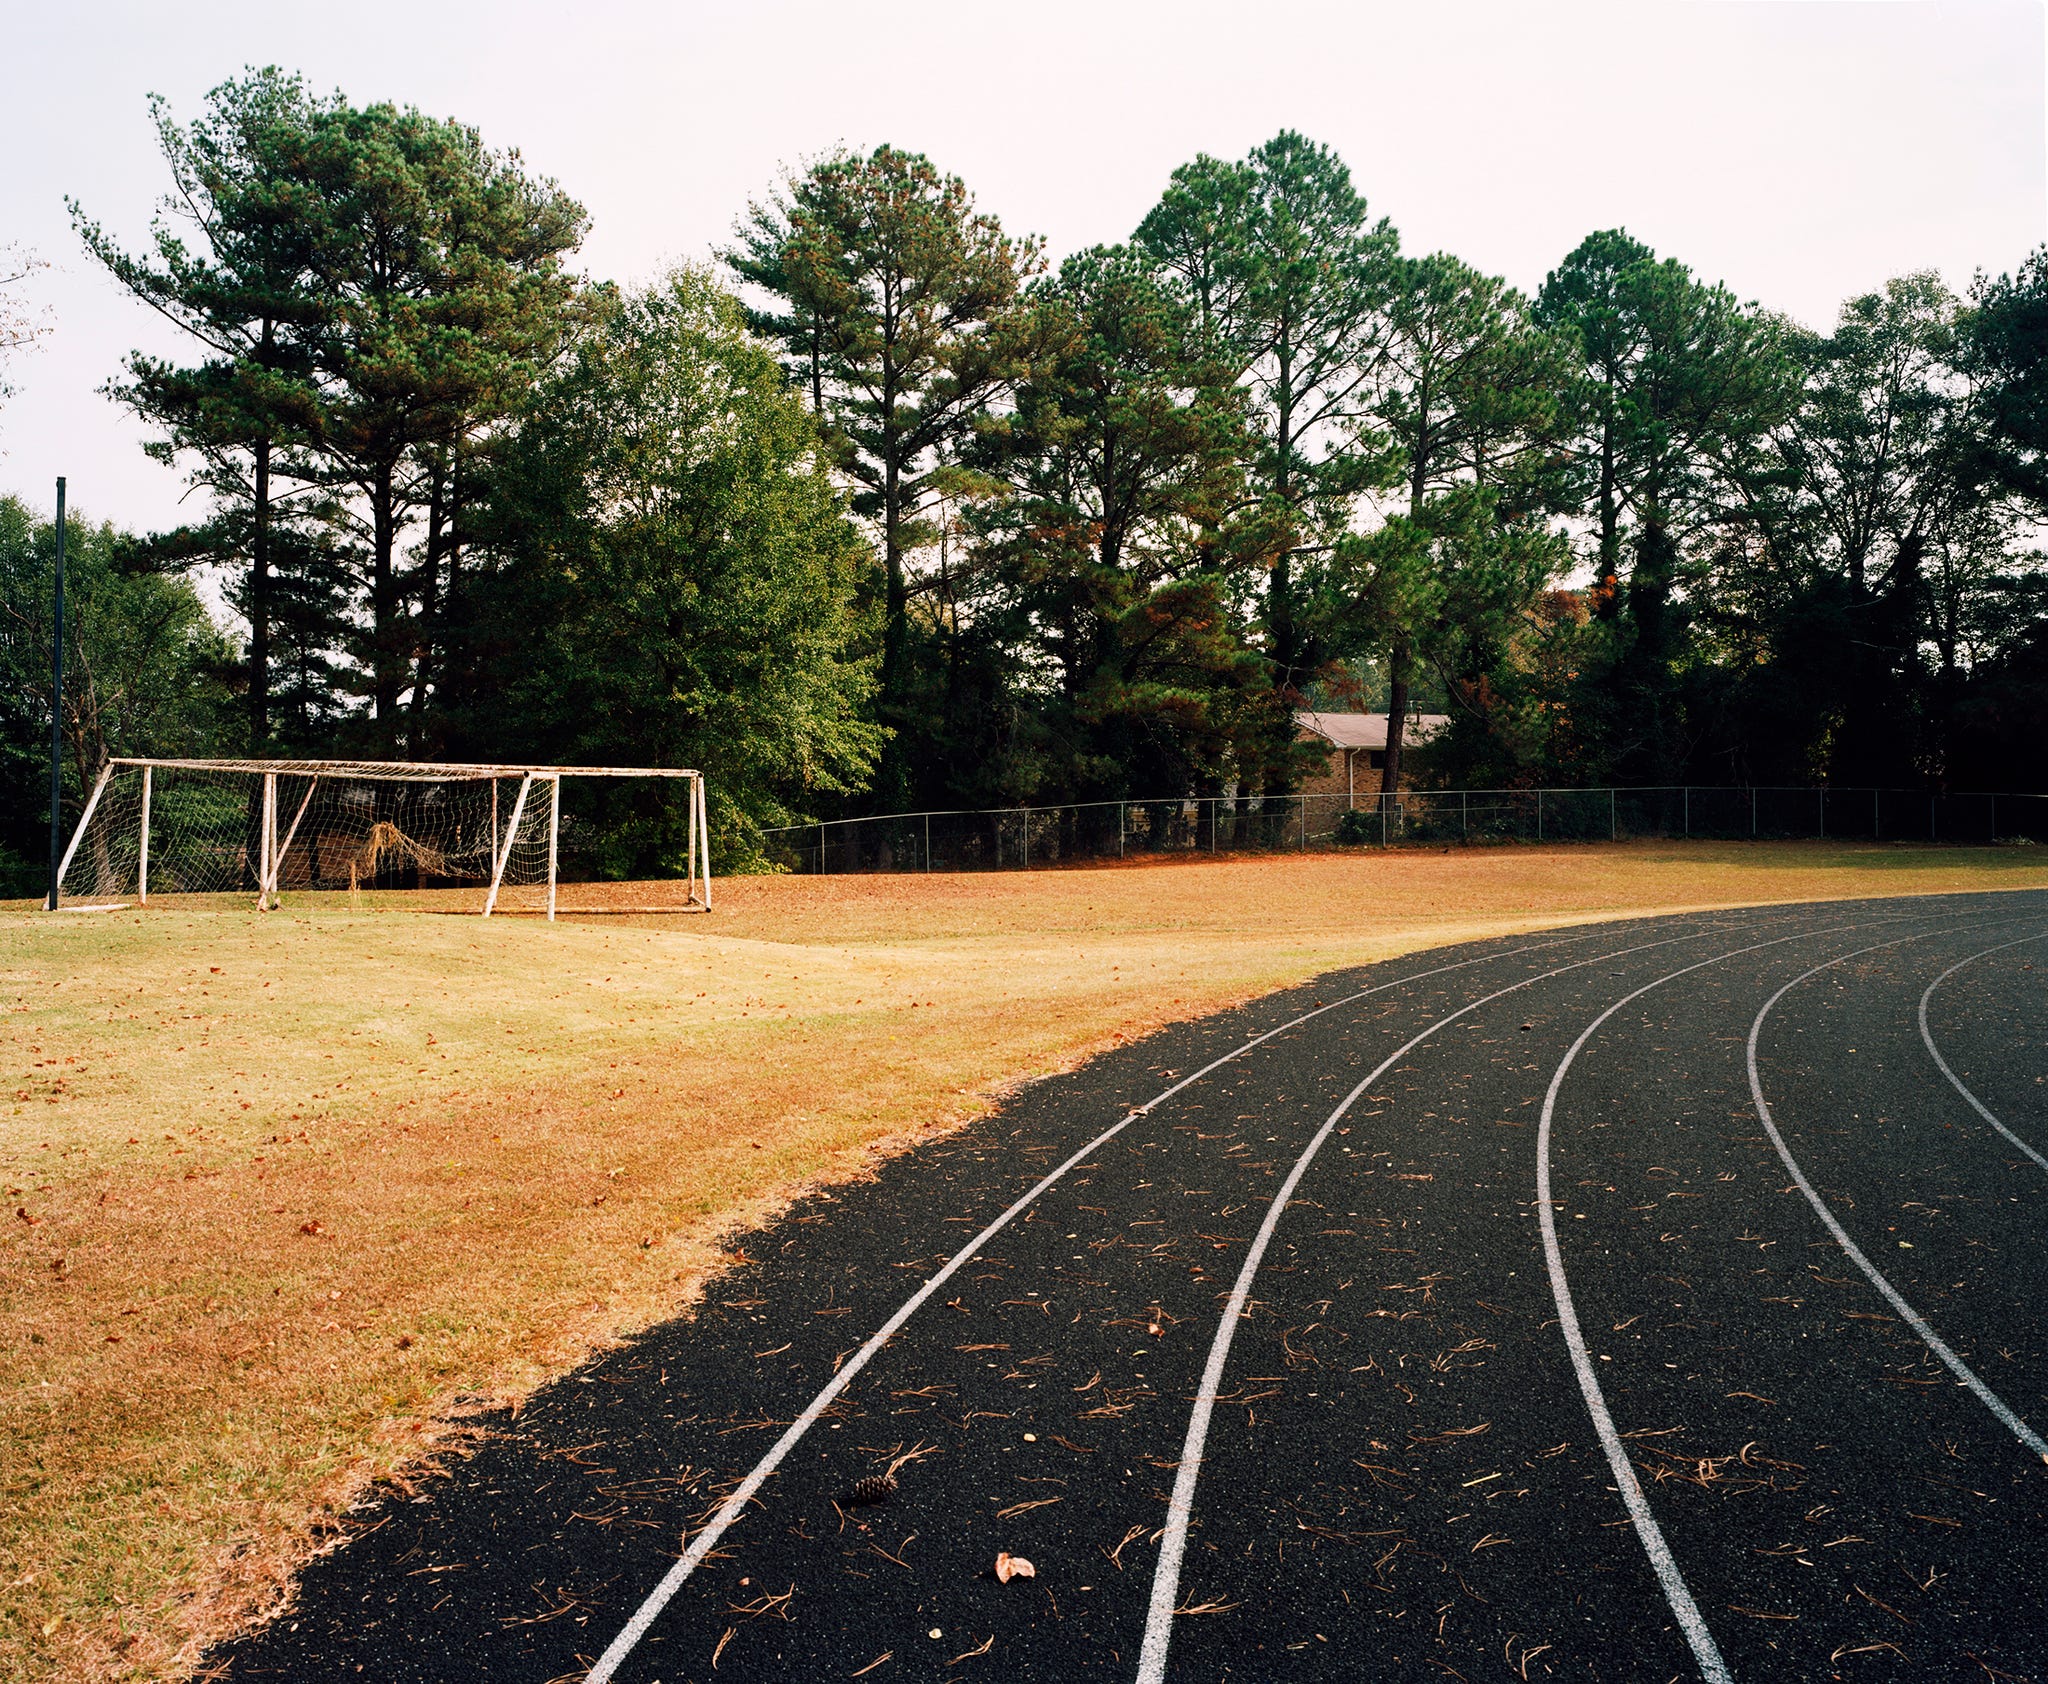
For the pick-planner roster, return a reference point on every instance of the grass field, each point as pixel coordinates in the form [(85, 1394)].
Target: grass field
[(284, 1192)]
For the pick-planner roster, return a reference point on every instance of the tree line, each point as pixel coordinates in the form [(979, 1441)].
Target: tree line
[(884, 509)]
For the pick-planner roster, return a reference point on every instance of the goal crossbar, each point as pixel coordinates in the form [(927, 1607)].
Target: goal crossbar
[(406, 771), (452, 834)]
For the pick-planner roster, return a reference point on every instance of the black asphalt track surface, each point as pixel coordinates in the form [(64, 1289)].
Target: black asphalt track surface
[(1402, 1479)]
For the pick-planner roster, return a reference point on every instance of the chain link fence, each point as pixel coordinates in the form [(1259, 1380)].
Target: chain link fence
[(1023, 837)]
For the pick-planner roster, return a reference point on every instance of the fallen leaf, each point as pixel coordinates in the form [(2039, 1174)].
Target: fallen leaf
[(1010, 1567)]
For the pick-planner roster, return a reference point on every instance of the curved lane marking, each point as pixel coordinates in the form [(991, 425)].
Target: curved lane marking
[(1690, 1620), (735, 1505), (1912, 1317), (1941, 1063), (1180, 1506)]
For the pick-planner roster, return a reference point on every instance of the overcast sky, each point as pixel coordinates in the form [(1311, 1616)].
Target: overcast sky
[(1799, 150)]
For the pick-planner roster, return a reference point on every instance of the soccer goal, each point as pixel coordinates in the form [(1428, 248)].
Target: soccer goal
[(262, 827)]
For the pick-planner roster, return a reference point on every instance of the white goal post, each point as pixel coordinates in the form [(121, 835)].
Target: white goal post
[(262, 826)]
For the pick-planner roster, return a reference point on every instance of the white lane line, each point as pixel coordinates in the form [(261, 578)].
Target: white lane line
[(1651, 1536), (735, 1505), (1181, 1505), (1912, 1317), (1690, 1621), (1941, 1063)]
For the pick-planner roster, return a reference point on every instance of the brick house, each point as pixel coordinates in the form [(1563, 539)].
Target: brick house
[(1358, 748)]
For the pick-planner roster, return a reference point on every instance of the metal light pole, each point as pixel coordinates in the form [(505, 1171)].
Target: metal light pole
[(57, 713)]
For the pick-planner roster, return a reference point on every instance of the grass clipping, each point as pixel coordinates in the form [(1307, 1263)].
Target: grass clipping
[(282, 1190)]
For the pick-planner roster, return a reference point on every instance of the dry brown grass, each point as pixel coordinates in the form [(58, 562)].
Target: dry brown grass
[(281, 1188)]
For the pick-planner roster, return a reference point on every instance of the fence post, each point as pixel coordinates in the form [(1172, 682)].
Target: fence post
[(1304, 824), (821, 847), (1613, 826), (927, 842), (1383, 822), (1464, 815), (1119, 830), (1685, 793), (1539, 815), (1213, 805), (1026, 814)]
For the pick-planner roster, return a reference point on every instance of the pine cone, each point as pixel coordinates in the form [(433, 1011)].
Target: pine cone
[(876, 1488)]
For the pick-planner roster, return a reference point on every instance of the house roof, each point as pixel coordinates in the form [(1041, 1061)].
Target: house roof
[(1368, 730)]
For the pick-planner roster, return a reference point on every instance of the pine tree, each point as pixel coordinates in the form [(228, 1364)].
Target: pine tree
[(440, 269), (1111, 529), (1289, 284), (1678, 380), (229, 266), (898, 300)]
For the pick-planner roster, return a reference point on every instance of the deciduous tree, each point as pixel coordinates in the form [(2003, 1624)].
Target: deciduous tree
[(145, 670), (673, 579)]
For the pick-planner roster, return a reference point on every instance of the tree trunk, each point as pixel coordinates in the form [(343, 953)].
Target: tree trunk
[(898, 602), (384, 677), (429, 625), (1280, 589), (1401, 657), (259, 607), (1648, 666), (453, 686), (1607, 593), (1398, 666), (1280, 585), (1904, 725)]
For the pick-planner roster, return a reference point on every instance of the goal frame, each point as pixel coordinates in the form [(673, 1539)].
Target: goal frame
[(273, 850)]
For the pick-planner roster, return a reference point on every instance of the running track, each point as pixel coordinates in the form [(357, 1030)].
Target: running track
[(1656, 1300)]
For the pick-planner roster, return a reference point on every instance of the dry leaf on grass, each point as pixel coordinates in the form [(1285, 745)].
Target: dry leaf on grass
[(1010, 1567)]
